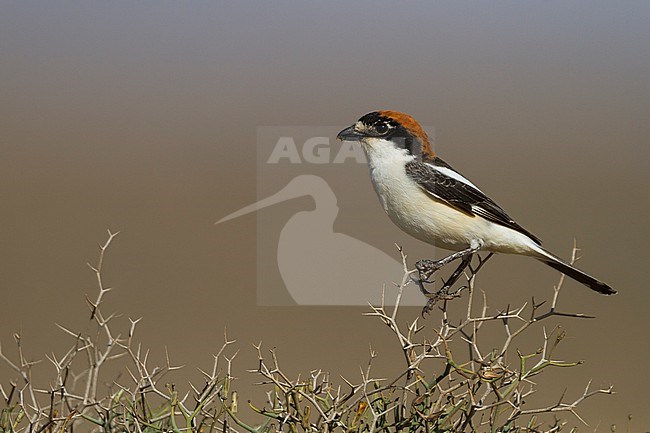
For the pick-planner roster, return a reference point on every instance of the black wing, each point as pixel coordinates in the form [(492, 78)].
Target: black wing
[(460, 195)]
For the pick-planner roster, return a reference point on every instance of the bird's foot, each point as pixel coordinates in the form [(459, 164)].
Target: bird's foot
[(441, 295), (426, 268)]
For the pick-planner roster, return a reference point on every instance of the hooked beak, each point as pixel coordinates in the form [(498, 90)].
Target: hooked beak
[(349, 134)]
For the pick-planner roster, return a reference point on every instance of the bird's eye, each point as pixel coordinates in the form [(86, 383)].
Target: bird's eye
[(382, 128)]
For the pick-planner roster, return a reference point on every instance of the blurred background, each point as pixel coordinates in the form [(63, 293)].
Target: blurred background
[(142, 117)]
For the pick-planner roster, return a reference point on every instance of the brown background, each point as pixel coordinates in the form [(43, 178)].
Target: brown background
[(142, 117)]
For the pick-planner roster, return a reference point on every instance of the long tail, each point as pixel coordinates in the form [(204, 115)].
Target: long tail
[(571, 272)]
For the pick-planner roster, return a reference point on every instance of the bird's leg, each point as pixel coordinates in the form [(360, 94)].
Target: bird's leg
[(473, 270), (467, 260), (443, 293), (427, 267), (481, 262)]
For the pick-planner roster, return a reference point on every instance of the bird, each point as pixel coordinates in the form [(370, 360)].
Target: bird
[(431, 201)]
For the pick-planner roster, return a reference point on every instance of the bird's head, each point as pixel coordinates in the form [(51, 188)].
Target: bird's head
[(389, 128)]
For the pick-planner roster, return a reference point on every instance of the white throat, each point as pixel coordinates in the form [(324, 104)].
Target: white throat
[(381, 152)]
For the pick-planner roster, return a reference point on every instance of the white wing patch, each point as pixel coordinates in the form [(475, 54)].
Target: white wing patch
[(454, 175)]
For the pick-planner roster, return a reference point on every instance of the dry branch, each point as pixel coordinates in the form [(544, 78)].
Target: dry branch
[(450, 380)]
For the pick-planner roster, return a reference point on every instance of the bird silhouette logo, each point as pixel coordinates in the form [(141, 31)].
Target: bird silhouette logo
[(322, 267)]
